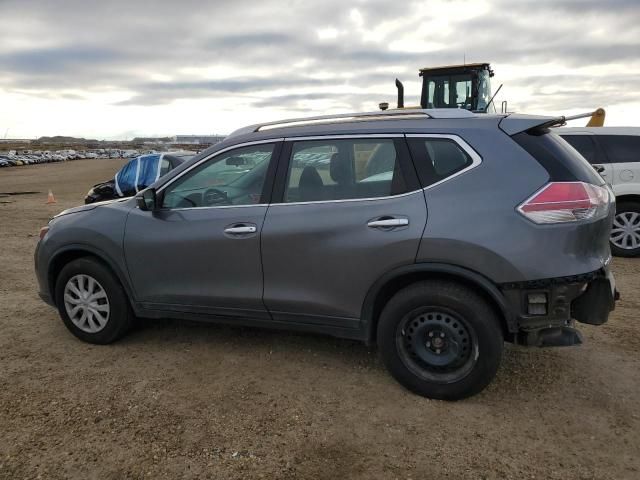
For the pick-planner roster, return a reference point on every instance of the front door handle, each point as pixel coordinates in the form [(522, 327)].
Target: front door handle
[(240, 229), (598, 168), (388, 223)]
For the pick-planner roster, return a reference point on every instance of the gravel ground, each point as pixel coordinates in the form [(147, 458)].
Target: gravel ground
[(183, 400)]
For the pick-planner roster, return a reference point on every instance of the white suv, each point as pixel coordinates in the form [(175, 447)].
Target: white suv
[(615, 153)]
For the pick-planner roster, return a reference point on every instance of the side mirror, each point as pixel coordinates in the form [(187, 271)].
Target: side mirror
[(146, 200)]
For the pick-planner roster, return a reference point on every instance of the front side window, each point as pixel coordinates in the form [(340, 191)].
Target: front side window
[(232, 178), (621, 148), (337, 169)]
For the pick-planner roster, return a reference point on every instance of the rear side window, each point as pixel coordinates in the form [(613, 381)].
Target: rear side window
[(438, 158), (560, 160), (584, 145), (621, 148), (338, 169)]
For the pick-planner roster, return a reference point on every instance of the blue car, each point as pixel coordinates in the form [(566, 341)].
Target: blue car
[(136, 175)]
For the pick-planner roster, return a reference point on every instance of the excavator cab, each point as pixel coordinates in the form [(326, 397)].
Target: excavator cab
[(457, 86)]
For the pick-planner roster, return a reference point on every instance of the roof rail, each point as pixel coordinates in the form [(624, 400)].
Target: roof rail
[(358, 117)]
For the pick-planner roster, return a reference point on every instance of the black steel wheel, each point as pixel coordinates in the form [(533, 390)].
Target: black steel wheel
[(440, 339), (437, 345)]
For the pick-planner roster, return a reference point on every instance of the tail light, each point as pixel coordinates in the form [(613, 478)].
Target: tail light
[(43, 232), (559, 202)]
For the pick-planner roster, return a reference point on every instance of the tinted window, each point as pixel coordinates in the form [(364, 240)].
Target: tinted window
[(232, 178), (621, 148), (584, 145), (343, 169), (438, 158), (560, 160)]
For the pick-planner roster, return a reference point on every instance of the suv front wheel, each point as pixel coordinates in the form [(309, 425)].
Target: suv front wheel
[(92, 303), (440, 340)]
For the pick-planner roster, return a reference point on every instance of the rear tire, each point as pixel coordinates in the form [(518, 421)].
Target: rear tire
[(440, 340), (91, 302), (626, 230)]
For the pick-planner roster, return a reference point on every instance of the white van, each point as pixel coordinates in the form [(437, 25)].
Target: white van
[(615, 153)]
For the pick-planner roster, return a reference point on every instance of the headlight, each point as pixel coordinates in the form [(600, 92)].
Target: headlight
[(90, 192)]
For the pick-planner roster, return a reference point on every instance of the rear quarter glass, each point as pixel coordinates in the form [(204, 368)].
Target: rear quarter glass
[(561, 160)]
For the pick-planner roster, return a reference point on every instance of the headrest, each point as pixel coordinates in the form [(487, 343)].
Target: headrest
[(339, 169)]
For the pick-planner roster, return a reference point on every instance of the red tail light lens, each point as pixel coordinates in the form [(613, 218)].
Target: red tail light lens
[(566, 202)]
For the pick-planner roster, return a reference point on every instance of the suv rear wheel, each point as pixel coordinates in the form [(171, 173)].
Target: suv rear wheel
[(91, 302), (625, 235), (440, 340)]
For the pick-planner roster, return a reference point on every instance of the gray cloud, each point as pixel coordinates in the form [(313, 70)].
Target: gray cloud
[(92, 46)]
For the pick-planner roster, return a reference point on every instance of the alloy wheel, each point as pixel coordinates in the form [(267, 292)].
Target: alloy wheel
[(86, 303), (626, 230)]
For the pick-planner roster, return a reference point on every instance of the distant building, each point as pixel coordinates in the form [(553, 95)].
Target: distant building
[(151, 140), (14, 140), (199, 139)]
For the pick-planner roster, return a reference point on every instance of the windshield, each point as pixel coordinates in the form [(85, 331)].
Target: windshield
[(484, 90)]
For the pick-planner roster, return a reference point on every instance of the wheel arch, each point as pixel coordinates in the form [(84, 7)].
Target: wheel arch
[(630, 197), (73, 252), (393, 281)]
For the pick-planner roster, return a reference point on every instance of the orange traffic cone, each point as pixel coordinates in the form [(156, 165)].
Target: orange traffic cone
[(50, 198)]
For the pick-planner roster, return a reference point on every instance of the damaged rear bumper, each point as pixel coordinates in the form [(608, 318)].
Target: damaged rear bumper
[(546, 310)]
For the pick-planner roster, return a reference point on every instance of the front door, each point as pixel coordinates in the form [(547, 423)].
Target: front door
[(200, 251), (348, 211)]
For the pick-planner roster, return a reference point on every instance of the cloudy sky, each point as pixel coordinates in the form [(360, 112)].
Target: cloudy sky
[(121, 68)]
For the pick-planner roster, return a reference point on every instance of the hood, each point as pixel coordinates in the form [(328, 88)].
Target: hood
[(90, 206)]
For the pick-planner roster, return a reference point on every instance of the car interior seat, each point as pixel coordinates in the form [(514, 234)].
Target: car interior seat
[(310, 187)]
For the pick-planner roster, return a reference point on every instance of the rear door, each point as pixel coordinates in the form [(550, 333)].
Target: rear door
[(348, 209)]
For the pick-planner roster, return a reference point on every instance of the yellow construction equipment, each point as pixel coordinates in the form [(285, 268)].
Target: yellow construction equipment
[(597, 118), (467, 86)]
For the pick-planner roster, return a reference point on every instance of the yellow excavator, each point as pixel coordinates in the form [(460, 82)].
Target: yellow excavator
[(467, 86)]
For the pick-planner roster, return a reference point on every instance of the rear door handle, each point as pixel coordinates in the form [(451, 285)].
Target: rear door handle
[(240, 229), (388, 223), (598, 168)]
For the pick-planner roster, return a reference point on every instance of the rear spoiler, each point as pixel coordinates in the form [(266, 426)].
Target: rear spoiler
[(517, 123)]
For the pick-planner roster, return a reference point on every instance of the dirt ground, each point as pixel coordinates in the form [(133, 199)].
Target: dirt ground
[(184, 400)]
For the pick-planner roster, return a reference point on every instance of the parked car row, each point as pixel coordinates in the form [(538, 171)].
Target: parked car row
[(15, 158)]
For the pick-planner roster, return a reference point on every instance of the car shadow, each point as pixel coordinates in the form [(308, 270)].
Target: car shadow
[(524, 372)]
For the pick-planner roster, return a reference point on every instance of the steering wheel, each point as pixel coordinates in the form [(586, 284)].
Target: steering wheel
[(213, 196)]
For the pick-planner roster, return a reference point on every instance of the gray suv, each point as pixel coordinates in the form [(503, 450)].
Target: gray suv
[(437, 235)]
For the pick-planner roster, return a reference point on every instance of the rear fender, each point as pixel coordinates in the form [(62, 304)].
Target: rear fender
[(396, 279)]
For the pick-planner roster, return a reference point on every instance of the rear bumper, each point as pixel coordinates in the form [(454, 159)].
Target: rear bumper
[(546, 310)]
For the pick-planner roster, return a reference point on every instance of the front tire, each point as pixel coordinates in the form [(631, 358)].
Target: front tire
[(91, 302), (625, 235), (440, 340)]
